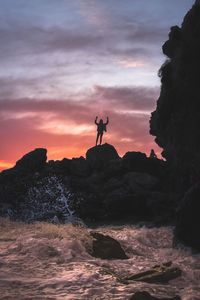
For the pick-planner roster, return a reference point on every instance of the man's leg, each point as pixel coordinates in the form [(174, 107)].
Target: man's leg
[(97, 138), (101, 135)]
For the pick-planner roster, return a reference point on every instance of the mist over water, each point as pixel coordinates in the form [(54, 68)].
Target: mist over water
[(46, 261)]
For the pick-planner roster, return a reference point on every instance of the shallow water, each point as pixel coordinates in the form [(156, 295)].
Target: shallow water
[(46, 261)]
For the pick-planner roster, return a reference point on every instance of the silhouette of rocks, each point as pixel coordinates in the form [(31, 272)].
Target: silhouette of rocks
[(33, 161), (175, 122), (135, 160), (188, 224), (101, 187), (139, 162), (105, 247), (98, 156), (146, 296)]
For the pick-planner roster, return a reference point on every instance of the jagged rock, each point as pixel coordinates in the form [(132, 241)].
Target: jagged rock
[(30, 163), (188, 223), (158, 274), (98, 156), (147, 296), (175, 122), (33, 161), (106, 247)]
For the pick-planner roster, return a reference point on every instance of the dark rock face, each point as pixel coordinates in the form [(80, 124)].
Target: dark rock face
[(106, 247), (33, 161), (136, 160), (188, 224), (98, 156), (138, 181), (176, 120), (147, 296), (133, 186)]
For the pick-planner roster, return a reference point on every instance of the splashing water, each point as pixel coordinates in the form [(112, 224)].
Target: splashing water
[(47, 261), (48, 199)]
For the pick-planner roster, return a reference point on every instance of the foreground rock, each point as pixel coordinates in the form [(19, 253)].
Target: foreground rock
[(188, 223), (147, 296), (105, 247), (158, 274)]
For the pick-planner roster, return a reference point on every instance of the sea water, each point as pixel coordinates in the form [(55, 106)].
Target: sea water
[(47, 261)]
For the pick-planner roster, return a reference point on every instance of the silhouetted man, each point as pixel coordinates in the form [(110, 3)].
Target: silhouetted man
[(101, 127)]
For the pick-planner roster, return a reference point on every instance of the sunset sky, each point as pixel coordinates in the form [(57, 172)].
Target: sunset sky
[(64, 62)]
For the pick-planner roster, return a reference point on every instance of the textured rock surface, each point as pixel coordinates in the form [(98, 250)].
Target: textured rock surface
[(106, 247), (188, 224), (176, 120)]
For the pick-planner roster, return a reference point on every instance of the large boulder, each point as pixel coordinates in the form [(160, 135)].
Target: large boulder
[(98, 156), (135, 161), (139, 162), (33, 161), (175, 122), (188, 223), (106, 247)]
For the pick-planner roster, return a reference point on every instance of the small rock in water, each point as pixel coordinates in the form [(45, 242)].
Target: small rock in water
[(158, 274), (106, 247), (147, 296)]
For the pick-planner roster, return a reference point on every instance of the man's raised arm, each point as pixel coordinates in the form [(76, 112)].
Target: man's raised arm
[(107, 121), (95, 121)]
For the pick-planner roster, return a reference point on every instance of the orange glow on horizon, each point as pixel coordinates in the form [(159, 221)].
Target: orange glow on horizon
[(5, 165), (58, 153)]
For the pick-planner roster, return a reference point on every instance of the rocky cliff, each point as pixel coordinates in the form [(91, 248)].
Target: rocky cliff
[(176, 120)]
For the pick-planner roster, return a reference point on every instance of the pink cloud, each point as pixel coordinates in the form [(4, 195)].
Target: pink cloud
[(66, 127)]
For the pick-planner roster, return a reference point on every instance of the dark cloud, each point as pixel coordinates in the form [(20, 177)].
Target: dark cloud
[(110, 98), (29, 40), (149, 33), (134, 98), (26, 39)]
